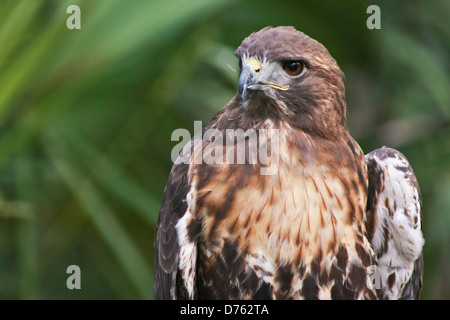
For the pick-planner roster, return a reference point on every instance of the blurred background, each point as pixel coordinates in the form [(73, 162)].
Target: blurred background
[(86, 118)]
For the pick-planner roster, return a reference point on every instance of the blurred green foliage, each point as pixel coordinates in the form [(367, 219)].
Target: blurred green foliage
[(86, 118)]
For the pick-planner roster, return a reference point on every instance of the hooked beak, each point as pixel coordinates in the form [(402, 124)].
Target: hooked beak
[(251, 79), (247, 79)]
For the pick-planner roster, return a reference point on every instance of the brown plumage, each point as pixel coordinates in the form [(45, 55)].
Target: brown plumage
[(312, 225)]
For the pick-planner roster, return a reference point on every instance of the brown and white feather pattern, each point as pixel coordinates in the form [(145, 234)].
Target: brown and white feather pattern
[(396, 235), (313, 229)]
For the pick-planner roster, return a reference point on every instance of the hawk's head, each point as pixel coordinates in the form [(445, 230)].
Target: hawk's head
[(291, 76)]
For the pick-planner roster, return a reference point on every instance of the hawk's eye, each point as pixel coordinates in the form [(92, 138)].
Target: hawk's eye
[(293, 68)]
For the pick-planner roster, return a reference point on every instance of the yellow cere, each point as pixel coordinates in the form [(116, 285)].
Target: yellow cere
[(254, 63)]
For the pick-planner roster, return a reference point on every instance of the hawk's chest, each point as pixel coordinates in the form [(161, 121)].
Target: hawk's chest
[(292, 207), (302, 211)]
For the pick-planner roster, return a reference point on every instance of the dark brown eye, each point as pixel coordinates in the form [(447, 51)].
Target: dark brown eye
[(292, 68)]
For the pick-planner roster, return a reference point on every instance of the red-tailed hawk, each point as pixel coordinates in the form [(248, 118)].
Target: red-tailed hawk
[(319, 220)]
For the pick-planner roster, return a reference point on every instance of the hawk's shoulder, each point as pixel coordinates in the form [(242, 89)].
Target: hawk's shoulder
[(394, 212), (174, 206)]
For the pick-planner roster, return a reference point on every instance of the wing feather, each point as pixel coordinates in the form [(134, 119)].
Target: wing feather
[(394, 218), (167, 249)]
